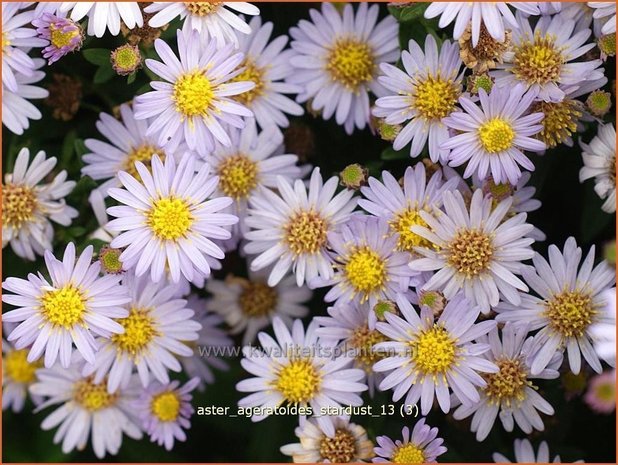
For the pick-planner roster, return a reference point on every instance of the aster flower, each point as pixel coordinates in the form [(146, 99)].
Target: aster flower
[(604, 334), (28, 205), (542, 58), (213, 19), (524, 453), (250, 305), (337, 59), (16, 42), (571, 299), (297, 368), (603, 10), (600, 163), (429, 357), (70, 308), (475, 249), (104, 16), (156, 326), (421, 446), (400, 205), (193, 100), (510, 394), (167, 219), (601, 393), (211, 344), (291, 227), (252, 159), (424, 93), (492, 138), (86, 411), (16, 107), (17, 375), (165, 410), (349, 444), (349, 326), (367, 266), (62, 35)]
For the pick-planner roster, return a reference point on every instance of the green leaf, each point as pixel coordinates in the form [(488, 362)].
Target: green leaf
[(103, 74), (80, 147), (131, 78), (391, 154), (412, 12), (97, 56), (68, 148)]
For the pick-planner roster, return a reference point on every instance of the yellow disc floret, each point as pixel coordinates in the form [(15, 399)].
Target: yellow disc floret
[(408, 453), (59, 37), (238, 176), (139, 330), (351, 63), (166, 406), (365, 270), (19, 204), (202, 8), (508, 385), (559, 121), (341, 448), (252, 73), (298, 381), (193, 94), (538, 61), (402, 224), (434, 97), (142, 153), (64, 307), (17, 368), (257, 299), (93, 396), (305, 233), (570, 313), (470, 252), (496, 135), (434, 351), (170, 218)]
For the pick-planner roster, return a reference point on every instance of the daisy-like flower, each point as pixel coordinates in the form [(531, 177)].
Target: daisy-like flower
[(571, 299), (524, 453), (428, 358), (349, 444), (421, 446), (603, 10), (213, 19), (368, 267), (492, 138), (475, 249), (62, 35), (299, 369), (28, 205), (211, 344), (337, 59), (86, 411), (601, 393), (349, 326), (193, 100), (543, 58), (291, 227), (510, 394), (250, 305), (267, 64), (600, 163), (604, 334), (253, 159), (400, 205), (421, 95), (155, 329), (167, 219), (165, 410), (104, 15), (70, 308), (16, 41), (17, 375), (16, 107)]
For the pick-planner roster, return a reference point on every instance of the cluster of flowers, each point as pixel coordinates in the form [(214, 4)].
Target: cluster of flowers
[(434, 289)]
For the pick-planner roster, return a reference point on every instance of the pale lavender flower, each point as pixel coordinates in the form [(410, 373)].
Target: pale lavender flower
[(422, 445), (604, 334), (600, 163), (603, 10), (524, 453), (62, 35), (104, 16)]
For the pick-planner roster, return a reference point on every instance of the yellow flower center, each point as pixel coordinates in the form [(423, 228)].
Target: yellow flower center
[(434, 351), (402, 224), (606, 392), (560, 120), (470, 252), (193, 94), (170, 218), (17, 368), (19, 204), (305, 233), (341, 448), (607, 44), (434, 98), (365, 270), (257, 299), (93, 396), (507, 385), (166, 406), (110, 260), (202, 8), (298, 382), (351, 63), (363, 339), (59, 38), (538, 61), (63, 307), (570, 313), (253, 74), (139, 330), (238, 176), (496, 135), (141, 153), (409, 453)]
